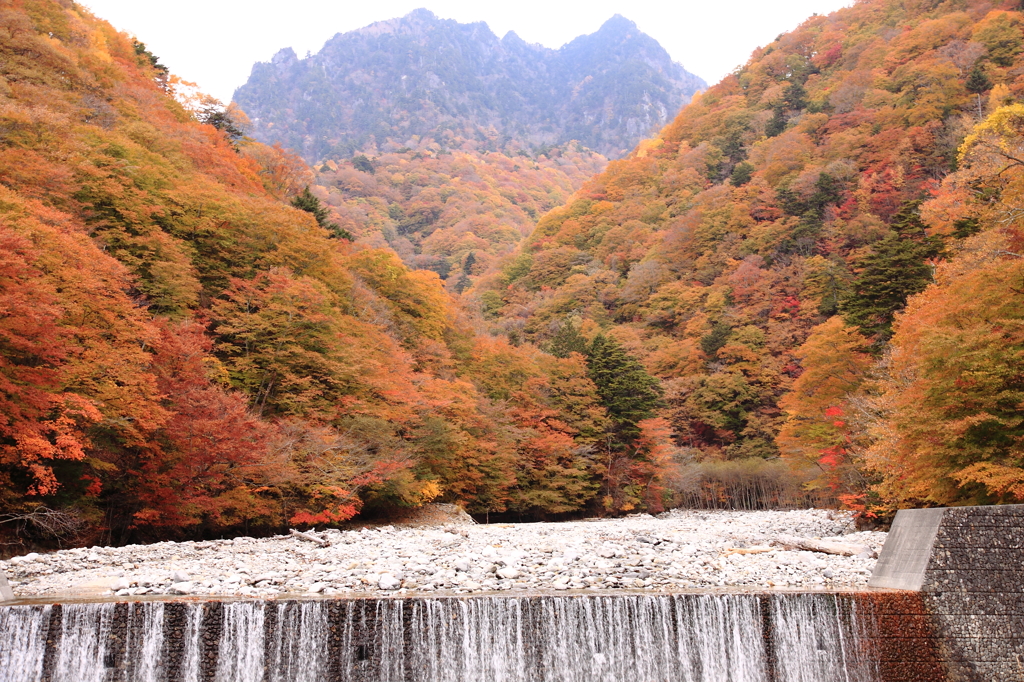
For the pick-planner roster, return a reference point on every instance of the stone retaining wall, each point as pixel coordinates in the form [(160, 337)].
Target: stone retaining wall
[(964, 567)]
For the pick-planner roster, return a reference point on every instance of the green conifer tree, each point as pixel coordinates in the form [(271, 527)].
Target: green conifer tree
[(741, 173), (977, 83), (362, 163), (977, 80), (568, 340), (306, 201), (627, 391), (467, 269), (896, 269), (796, 96), (216, 116), (777, 124), (467, 265)]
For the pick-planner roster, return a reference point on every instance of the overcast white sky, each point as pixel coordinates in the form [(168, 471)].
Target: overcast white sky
[(215, 42)]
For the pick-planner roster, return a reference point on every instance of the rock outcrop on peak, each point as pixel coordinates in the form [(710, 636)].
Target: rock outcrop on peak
[(422, 76)]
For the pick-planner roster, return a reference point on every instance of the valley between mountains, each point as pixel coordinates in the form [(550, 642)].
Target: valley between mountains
[(431, 265)]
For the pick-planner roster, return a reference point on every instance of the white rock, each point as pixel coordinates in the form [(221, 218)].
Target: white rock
[(389, 582), (120, 584), (184, 587), (691, 552), (317, 588)]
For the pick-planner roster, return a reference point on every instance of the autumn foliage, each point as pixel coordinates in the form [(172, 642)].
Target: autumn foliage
[(452, 209), (185, 353), (805, 290), (781, 257)]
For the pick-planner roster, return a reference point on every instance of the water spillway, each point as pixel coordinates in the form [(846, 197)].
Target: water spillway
[(809, 637), (945, 603)]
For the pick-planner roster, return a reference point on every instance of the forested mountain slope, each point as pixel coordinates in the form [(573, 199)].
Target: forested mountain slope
[(183, 352), (757, 251), (453, 212), (394, 82), (814, 273)]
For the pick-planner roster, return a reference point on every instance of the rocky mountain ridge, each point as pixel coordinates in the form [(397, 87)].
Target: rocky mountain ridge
[(397, 81)]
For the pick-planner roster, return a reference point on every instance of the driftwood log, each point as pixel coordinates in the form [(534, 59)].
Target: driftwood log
[(308, 538), (823, 546), (748, 550)]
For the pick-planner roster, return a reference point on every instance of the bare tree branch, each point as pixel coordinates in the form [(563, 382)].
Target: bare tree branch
[(58, 523)]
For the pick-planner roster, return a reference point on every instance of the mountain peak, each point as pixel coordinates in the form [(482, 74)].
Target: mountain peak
[(420, 75), (421, 14), (284, 56), (617, 23)]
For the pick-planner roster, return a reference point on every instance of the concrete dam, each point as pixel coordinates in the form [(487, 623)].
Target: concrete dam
[(946, 603)]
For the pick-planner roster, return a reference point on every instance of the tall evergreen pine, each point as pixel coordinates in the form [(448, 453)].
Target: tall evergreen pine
[(777, 124), (568, 340), (627, 391), (977, 80), (307, 201), (467, 269), (895, 270)]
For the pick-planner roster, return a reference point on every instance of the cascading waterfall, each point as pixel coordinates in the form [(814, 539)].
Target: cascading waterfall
[(145, 641), (636, 637), (297, 654), (83, 644), (23, 632), (694, 637), (818, 637), (467, 639), (191, 650), (242, 639), (735, 652)]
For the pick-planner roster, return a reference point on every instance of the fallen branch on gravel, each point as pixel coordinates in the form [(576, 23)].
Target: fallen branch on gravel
[(309, 538), (822, 546), (748, 550)]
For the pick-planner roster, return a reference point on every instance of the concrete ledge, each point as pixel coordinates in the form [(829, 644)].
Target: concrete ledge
[(907, 550)]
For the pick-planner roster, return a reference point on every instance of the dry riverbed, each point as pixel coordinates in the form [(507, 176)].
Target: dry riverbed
[(678, 550)]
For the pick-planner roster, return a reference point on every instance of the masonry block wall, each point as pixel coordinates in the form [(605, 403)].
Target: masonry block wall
[(966, 565)]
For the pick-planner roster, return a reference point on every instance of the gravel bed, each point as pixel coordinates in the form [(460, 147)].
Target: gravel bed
[(678, 550)]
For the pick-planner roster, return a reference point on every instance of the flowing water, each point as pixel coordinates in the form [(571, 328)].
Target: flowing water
[(621, 638), (23, 631), (298, 656), (144, 650), (191, 645)]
